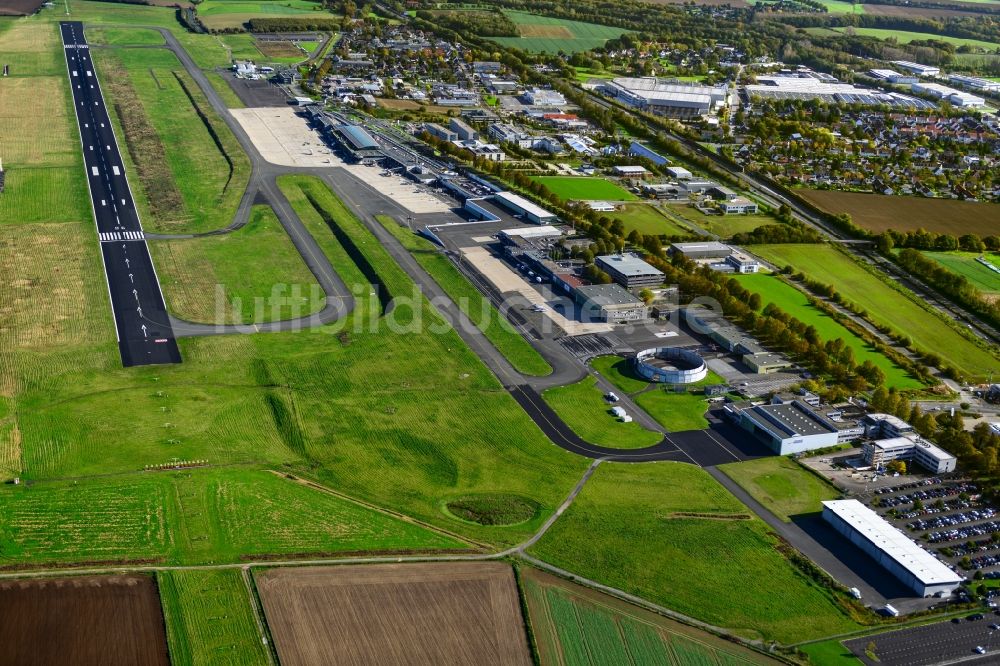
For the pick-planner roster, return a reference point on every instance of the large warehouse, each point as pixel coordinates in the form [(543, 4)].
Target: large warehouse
[(789, 427), (807, 88), (521, 206), (611, 303), (667, 98), (907, 561)]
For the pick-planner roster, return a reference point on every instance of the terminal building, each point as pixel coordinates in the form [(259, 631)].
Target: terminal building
[(611, 303), (901, 556), (359, 143), (911, 449), (630, 271), (665, 97)]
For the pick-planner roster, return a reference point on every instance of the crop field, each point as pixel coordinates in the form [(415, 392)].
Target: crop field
[(796, 303), (44, 174), (210, 279), (583, 407), (195, 515), (20, 7), (574, 625), (884, 304), (209, 618), (964, 263), (85, 620), (582, 187), (905, 37), (781, 485), (222, 14), (542, 33), (191, 169), (454, 613), (487, 318), (877, 212), (647, 219), (671, 534)]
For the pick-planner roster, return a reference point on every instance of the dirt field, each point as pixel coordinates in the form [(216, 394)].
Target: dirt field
[(279, 49), (87, 620), (456, 613), (19, 7), (878, 213), (550, 31)]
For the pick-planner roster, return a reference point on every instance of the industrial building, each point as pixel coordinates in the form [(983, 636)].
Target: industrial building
[(763, 363), (665, 97), (641, 150), (787, 427), (808, 88), (680, 173), (901, 556), (742, 263), (611, 303), (706, 250), (521, 206), (543, 97), (738, 206), (917, 68), (950, 95), (630, 271), (911, 449), (885, 426), (974, 82), (891, 75), (505, 133)]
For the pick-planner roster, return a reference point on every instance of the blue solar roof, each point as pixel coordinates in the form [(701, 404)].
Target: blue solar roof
[(359, 138)]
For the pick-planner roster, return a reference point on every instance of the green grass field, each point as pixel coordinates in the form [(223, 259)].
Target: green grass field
[(500, 332), (124, 37), (631, 528), (252, 275), (884, 304), (843, 7), (965, 264), (905, 37), (796, 303), (830, 653), (583, 407), (213, 515), (222, 14), (551, 35), (210, 619), (647, 219), (723, 226), (582, 187), (616, 370), (210, 180), (781, 485), (576, 626)]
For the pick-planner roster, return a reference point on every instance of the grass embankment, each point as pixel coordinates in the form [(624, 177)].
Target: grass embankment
[(585, 188), (674, 411), (671, 534), (796, 303), (210, 618), (884, 304), (252, 275), (584, 409), (470, 300), (781, 485), (189, 165), (575, 625)]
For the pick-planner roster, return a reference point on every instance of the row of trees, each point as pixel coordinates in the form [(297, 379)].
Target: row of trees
[(922, 239)]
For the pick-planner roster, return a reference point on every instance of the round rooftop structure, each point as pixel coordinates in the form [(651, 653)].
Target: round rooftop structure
[(671, 365)]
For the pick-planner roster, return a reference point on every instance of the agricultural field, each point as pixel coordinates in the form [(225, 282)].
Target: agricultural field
[(45, 180), (843, 7), (435, 613), (222, 14), (210, 618), (671, 534), (252, 275), (723, 226), (979, 276), (648, 219), (781, 485), (905, 37), (20, 7), (877, 212), (191, 170), (470, 300), (114, 620), (577, 626), (551, 35), (883, 303), (196, 515), (796, 303), (583, 187), (584, 409)]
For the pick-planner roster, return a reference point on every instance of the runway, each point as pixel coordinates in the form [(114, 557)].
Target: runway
[(145, 336)]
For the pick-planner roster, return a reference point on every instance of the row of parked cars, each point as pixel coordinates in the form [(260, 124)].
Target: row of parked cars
[(944, 507), (964, 532), (954, 519)]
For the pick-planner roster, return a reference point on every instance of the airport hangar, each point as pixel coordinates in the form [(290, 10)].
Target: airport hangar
[(900, 555)]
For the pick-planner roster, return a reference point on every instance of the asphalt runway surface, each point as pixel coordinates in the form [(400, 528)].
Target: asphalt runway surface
[(145, 336), (942, 642)]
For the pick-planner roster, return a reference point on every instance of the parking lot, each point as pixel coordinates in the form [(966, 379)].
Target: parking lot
[(942, 642)]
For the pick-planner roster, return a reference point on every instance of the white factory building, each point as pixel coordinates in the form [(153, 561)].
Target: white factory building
[(789, 427), (950, 95), (666, 97), (911, 449), (893, 550), (974, 82), (917, 68)]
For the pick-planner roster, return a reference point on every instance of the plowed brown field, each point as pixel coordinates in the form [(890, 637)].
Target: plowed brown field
[(454, 613), (106, 620), (19, 7)]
